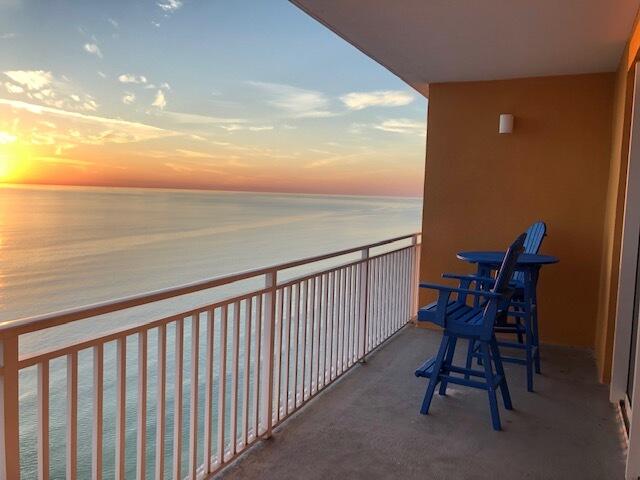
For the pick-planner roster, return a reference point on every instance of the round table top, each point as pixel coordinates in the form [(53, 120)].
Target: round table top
[(496, 258)]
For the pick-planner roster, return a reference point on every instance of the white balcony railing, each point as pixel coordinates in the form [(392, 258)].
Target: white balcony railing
[(205, 383)]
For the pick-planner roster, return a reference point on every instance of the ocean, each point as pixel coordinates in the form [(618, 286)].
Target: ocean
[(64, 247)]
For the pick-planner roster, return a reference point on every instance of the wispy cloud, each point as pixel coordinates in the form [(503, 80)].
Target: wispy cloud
[(113, 22), (6, 138), (128, 98), (130, 78), (251, 128), (101, 74), (159, 101), (344, 158), (170, 6), (43, 86), (31, 79), (7, 36), (294, 101), (93, 49), (12, 88), (95, 129), (402, 125), (379, 98), (195, 119)]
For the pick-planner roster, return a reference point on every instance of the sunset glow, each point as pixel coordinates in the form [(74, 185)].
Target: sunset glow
[(215, 95)]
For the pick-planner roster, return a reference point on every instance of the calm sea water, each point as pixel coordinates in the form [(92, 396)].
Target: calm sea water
[(67, 247)]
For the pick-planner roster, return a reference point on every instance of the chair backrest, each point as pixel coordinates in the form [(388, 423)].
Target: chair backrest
[(501, 285), (535, 234)]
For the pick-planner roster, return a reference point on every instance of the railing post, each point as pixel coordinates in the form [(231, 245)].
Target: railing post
[(415, 276), (9, 409), (364, 305), (271, 281)]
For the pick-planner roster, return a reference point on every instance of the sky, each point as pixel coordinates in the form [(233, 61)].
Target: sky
[(213, 94)]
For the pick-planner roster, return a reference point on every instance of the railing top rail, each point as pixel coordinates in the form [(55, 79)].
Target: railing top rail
[(41, 322)]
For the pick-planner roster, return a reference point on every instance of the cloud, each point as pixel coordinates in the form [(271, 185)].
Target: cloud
[(93, 49), (402, 125), (379, 98), (130, 78), (170, 6), (75, 127), (31, 79), (101, 74), (160, 101), (255, 128), (11, 88), (7, 36), (296, 102), (347, 159), (128, 98), (43, 86), (6, 138), (195, 119), (113, 22)]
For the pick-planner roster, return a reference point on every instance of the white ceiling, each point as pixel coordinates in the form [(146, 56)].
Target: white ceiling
[(428, 41)]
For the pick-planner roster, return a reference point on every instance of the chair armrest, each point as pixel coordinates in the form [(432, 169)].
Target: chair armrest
[(473, 278), (464, 291)]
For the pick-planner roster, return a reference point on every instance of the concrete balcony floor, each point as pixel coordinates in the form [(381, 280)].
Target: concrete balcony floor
[(368, 425)]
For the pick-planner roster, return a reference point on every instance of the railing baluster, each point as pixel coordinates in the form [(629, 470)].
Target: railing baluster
[(98, 384), (287, 360), (354, 303), (193, 406), (270, 308), (277, 365), (312, 303), (334, 314), (321, 309), (303, 343), (9, 409), (325, 354), (296, 316), (233, 430), (256, 369), (43, 420), (177, 401), (121, 402), (247, 370), (222, 385), (284, 352), (208, 392), (72, 416), (160, 400), (141, 441), (416, 274), (364, 304)]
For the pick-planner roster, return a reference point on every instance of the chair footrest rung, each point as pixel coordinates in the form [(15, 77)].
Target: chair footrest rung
[(426, 369)]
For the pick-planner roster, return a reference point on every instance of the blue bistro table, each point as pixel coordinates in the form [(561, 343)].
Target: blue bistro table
[(527, 273)]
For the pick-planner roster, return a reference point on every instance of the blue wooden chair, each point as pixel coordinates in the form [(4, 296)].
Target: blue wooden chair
[(525, 329), (474, 322)]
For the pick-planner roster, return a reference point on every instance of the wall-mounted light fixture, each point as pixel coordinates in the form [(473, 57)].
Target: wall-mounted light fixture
[(506, 123)]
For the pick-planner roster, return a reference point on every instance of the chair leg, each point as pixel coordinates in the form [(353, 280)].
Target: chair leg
[(469, 364), (497, 359), (491, 391), (451, 349), (434, 376), (519, 333), (529, 354), (536, 339)]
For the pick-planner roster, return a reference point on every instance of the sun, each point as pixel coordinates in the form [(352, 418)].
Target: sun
[(12, 158)]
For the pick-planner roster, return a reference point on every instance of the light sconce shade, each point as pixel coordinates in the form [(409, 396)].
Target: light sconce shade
[(506, 123)]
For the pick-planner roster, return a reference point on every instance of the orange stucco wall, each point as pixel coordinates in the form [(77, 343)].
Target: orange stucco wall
[(483, 188)]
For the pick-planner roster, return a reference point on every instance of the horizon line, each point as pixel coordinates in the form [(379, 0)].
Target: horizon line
[(202, 189)]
